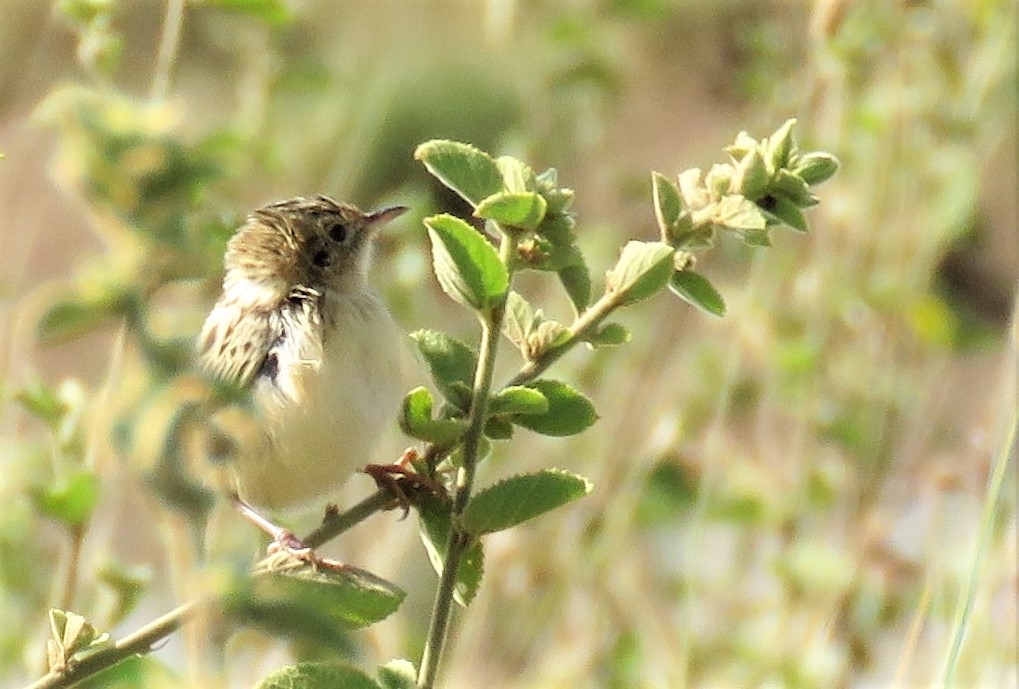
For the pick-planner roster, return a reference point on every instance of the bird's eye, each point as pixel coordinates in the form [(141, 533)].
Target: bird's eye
[(338, 232), (321, 259)]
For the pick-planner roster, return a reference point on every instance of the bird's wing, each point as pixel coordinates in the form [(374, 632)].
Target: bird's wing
[(235, 342)]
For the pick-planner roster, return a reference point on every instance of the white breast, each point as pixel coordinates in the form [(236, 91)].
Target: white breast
[(325, 417)]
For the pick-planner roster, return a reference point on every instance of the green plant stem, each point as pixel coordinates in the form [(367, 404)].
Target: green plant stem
[(144, 638), (578, 330), (491, 326), (336, 523), (995, 486), (140, 641), (169, 41)]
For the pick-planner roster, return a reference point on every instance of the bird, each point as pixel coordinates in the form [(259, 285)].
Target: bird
[(299, 331)]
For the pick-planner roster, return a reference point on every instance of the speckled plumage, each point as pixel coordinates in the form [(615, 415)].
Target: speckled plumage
[(298, 326)]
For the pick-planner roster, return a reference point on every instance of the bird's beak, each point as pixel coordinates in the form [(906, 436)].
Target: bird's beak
[(381, 217)]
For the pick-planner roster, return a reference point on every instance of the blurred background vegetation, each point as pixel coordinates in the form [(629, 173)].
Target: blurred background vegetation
[(789, 496)]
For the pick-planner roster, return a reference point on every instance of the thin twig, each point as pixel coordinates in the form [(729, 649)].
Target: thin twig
[(141, 641), (169, 41)]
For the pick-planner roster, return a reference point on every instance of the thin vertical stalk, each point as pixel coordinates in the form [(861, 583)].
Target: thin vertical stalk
[(169, 40), (992, 500), (491, 326)]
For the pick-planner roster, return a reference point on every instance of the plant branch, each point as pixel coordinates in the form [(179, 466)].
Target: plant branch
[(143, 639), (140, 641), (459, 541), (585, 324)]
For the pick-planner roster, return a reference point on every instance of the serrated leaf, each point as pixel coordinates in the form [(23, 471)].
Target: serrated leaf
[(517, 320), (434, 518), (739, 213), (468, 171), (668, 204), (569, 412), (782, 211), (518, 399), (520, 498), (344, 595), (517, 176), (642, 270), (498, 428), (609, 335), (576, 280), (451, 363), (71, 502), (524, 210), (695, 289), (317, 675), (466, 265), (417, 422), (398, 674)]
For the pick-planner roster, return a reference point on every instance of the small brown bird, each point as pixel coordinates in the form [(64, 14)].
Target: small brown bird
[(299, 327)]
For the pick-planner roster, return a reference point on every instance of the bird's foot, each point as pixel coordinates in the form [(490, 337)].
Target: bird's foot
[(400, 476)]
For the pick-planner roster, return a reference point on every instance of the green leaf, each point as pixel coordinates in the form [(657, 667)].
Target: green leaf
[(525, 210), (793, 188), (784, 212), (317, 675), (643, 269), (520, 498), (468, 268), (274, 12), (342, 595), (609, 335), (695, 289), (135, 672), (417, 422), (517, 176), (668, 204), (756, 237), (751, 179), (780, 146), (463, 168), (816, 167), (518, 320), (398, 674), (43, 403), (498, 428), (435, 521), (518, 399), (576, 280), (74, 317), (71, 502), (569, 412), (451, 362)]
